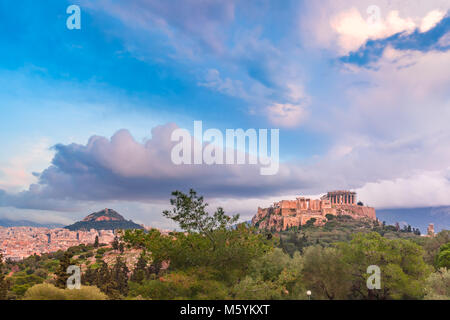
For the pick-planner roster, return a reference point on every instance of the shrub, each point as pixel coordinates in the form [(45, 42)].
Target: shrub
[(46, 291), (437, 286)]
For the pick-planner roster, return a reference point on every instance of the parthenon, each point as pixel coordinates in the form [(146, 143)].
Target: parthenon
[(341, 197)]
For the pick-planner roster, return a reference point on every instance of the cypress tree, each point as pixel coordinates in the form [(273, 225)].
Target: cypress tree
[(140, 270), (106, 282), (115, 244), (90, 277), (61, 273), (120, 276), (96, 244)]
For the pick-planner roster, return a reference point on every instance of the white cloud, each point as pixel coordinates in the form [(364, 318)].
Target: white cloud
[(296, 91), (428, 188), (214, 81), (16, 171), (345, 25), (353, 30), (286, 115), (431, 19)]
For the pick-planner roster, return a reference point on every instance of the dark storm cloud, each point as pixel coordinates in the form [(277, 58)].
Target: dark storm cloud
[(121, 168)]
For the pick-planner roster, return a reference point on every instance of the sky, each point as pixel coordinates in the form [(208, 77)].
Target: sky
[(359, 91)]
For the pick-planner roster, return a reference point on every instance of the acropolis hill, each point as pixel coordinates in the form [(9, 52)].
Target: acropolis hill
[(285, 214)]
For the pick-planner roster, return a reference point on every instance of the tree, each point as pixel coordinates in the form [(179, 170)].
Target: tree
[(433, 244), (4, 284), (275, 275), (443, 257), (61, 273), (90, 277), (47, 291), (210, 242), (437, 286), (119, 275), (140, 271), (106, 282), (96, 244), (325, 273), (190, 213), (115, 243), (403, 269)]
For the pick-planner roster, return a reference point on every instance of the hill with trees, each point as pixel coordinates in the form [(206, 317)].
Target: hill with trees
[(106, 219), (211, 259)]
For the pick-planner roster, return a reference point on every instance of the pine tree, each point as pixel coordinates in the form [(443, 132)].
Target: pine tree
[(106, 282), (115, 244), (96, 244), (140, 271), (61, 273), (90, 277), (3, 282), (154, 268), (120, 276)]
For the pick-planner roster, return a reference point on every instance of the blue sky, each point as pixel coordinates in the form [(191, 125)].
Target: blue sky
[(359, 105)]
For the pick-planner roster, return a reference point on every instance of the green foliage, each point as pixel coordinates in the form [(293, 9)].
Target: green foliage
[(325, 273), (215, 259), (209, 241), (96, 244), (104, 225), (443, 257), (433, 244), (339, 229), (437, 286), (119, 274), (231, 252), (275, 275), (310, 222), (194, 283), (44, 291), (111, 281), (61, 273), (401, 262), (142, 271), (190, 213), (4, 284), (47, 291)]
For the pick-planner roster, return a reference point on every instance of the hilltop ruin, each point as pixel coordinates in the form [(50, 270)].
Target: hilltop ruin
[(285, 214)]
